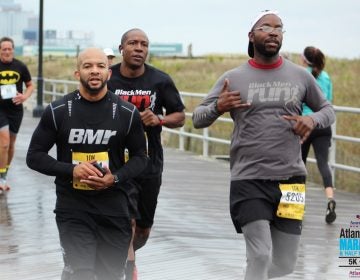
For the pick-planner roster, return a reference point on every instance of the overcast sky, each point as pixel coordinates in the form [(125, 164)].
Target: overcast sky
[(212, 26)]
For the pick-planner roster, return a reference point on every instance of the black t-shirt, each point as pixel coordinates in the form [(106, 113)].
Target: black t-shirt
[(155, 90), (84, 130), (11, 73)]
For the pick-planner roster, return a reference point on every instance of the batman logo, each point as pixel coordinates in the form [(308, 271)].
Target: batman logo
[(9, 77)]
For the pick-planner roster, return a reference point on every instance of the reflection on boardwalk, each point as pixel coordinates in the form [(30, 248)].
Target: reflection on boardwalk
[(193, 237)]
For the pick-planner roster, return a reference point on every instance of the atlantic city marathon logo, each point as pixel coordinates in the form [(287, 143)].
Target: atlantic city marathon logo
[(349, 247)]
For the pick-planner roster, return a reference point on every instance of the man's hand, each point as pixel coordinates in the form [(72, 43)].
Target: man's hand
[(302, 127), (90, 175), (149, 118), (19, 99), (229, 99)]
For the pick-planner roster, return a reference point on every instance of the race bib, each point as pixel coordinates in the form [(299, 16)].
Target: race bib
[(102, 158), (126, 154), (292, 202), (8, 91)]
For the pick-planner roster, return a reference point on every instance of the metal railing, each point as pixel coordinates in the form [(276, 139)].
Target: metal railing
[(54, 89)]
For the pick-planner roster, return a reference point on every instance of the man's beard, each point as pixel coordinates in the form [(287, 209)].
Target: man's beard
[(92, 90), (262, 50)]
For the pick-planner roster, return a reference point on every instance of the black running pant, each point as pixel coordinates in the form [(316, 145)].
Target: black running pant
[(94, 246)]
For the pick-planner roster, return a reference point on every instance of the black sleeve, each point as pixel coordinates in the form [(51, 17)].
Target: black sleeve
[(171, 97), (26, 75), (43, 139), (136, 144)]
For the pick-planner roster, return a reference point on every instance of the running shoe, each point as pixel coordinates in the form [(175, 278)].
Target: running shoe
[(3, 186), (330, 212)]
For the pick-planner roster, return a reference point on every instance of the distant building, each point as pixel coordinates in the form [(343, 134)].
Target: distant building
[(162, 49), (14, 20), (22, 27)]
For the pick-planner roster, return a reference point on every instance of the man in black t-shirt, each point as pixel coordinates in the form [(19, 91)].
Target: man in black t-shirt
[(152, 92), (13, 74), (91, 126)]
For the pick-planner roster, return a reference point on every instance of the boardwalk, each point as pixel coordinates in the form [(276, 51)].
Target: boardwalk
[(192, 239)]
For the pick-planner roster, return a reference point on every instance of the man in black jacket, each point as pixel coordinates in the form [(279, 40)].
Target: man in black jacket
[(91, 128)]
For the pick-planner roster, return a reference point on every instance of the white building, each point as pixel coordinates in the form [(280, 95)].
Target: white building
[(13, 20), (23, 26)]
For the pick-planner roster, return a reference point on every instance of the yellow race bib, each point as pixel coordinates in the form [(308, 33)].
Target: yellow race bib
[(292, 202), (102, 158)]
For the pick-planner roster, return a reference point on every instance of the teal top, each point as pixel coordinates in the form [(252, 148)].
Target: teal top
[(324, 81)]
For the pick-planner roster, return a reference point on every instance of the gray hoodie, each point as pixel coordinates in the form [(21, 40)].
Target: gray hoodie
[(263, 144)]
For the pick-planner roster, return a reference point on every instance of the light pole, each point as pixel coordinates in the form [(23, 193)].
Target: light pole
[(39, 109)]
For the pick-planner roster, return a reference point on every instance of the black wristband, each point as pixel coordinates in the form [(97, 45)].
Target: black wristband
[(216, 108)]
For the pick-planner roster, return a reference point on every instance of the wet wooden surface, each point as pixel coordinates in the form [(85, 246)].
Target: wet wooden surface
[(193, 237)]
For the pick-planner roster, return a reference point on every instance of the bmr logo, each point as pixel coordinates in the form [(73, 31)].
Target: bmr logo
[(89, 136)]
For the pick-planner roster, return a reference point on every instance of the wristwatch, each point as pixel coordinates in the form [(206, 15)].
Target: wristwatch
[(161, 119), (116, 179), (216, 106)]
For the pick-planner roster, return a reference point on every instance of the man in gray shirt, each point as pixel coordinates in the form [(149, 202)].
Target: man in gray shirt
[(264, 97)]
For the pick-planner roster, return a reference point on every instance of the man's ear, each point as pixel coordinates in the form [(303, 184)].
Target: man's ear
[(77, 74), (120, 49), (251, 36)]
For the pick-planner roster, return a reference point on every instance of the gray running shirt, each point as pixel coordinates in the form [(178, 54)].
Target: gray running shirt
[(263, 144)]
